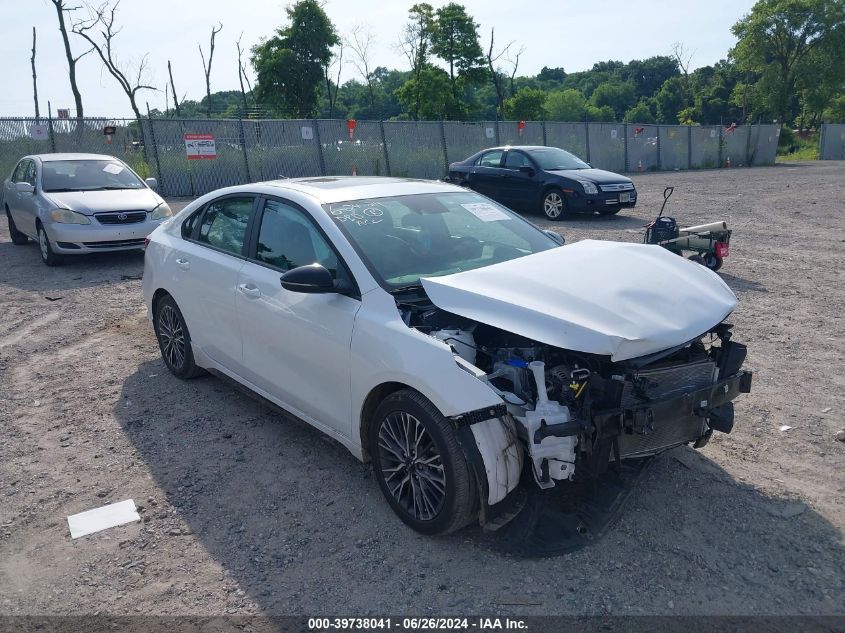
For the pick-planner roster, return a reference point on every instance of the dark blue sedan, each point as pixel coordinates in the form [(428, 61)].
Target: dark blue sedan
[(546, 179)]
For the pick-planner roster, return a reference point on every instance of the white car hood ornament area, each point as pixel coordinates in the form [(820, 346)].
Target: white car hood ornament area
[(616, 299)]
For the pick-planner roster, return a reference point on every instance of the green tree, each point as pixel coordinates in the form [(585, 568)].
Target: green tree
[(835, 111), (648, 75), (526, 105), (454, 39), (565, 105), (640, 113), (776, 40), (617, 95), (670, 100), (415, 42), (429, 92), (289, 65)]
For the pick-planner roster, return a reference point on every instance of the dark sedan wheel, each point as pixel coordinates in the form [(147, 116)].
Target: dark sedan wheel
[(174, 341), (554, 204), (419, 465), (17, 237), (47, 254)]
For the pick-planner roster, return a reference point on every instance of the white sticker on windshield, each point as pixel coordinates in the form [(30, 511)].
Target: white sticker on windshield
[(113, 168), (486, 212)]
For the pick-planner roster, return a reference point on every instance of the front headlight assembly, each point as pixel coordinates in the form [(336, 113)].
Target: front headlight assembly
[(161, 211), (589, 187), (66, 216)]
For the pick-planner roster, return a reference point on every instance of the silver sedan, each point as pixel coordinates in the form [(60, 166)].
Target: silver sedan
[(80, 203)]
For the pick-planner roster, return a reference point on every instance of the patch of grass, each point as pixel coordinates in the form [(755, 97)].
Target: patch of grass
[(793, 147)]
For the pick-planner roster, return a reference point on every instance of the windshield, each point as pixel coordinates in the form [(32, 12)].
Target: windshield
[(87, 175), (403, 238), (554, 158)]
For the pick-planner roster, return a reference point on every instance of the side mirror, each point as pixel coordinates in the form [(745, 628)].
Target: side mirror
[(557, 237), (24, 187), (312, 279), (526, 169), (152, 183)]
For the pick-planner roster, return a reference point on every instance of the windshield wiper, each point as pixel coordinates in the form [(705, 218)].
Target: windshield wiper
[(406, 288)]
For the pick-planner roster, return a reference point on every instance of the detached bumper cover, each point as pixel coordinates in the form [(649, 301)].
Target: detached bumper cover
[(662, 423)]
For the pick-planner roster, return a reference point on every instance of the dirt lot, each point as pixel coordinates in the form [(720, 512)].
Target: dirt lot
[(246, 512)]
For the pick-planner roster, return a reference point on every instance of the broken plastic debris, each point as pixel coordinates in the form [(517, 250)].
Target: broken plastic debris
[(98, 519), (827, 410), (785, 427)]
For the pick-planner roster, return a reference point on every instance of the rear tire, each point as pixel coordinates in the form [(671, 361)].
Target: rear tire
[(174, 340), (46, 249), (420, 467), (553, 205), (17, 237)]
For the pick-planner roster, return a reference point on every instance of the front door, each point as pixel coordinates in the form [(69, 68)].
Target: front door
[(519, 187), (22, 205), (296, 346)]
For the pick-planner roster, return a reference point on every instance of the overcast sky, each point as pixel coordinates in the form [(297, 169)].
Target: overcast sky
[(573, 34)]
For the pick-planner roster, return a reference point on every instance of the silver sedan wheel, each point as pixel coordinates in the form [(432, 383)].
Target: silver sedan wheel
[(172, 336), (411, 465), (43, 244), (553, 205)]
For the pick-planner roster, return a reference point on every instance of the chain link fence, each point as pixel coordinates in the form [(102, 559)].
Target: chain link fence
[(249, 150), (832, 141)]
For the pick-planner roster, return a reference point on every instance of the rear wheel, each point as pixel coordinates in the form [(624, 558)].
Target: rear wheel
[(174, 340), (47, 254), (17, 237), (419, 465), (554, 204)]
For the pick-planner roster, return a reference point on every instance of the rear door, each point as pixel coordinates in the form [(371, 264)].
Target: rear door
[(485, 174), (22, 205), (296, 346), (204, 267)]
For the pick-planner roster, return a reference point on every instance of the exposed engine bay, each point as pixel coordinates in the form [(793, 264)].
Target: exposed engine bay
[(578, 413)]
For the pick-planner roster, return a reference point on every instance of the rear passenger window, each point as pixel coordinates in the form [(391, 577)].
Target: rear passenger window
[(224, 224)]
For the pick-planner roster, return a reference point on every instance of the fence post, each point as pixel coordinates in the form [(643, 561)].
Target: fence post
[(242, 139), (748, 144), (50, 127), (319, 148), (445, 149), (822, 131), (719, 165), (689, 147), (659, 152), (155, 150), (625, 132), (587, 138), (545, 142), (498, 131), (384, 145)]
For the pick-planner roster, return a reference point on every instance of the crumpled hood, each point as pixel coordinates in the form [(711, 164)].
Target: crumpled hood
[(90, 202), (616, 299)]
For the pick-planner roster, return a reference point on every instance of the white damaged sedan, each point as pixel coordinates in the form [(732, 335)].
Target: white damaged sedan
[(464, 351)]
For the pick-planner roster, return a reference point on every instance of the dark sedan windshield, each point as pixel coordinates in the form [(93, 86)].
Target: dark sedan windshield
[(553, 158), (87, 175), (403, 238)]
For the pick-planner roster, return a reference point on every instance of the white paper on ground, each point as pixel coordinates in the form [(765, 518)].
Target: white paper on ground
[(98, 519)]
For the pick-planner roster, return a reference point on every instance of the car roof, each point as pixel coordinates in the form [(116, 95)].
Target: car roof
[(329, 189), (522, 147), (70, 156)]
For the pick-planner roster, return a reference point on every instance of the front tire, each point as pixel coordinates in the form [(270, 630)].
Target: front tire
[(420, 467), (553, 205), (18, 238), (174, 340), (46, 249)]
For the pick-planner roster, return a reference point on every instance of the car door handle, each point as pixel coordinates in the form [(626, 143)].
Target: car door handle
[(250, 290), (184, 264)]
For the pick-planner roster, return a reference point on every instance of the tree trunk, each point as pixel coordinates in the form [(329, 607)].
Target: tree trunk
[(173, 89), (71, 61), (34, 79)]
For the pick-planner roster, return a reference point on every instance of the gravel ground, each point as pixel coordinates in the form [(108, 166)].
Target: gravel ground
[(244, 511)]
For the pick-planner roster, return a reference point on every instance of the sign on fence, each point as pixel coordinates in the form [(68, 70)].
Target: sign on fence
[(307, 132), (39, 132), (63, 113), (200, 146)]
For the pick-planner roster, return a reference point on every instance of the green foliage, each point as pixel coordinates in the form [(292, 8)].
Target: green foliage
[(640, 113), (289, 65), (565, 105), (527, 104), (619, 96), (454, 39), (670, 100), (835, 111), (792, 146), (429, 94)]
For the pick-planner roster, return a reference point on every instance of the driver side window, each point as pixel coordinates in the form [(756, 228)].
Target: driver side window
[(19, 174), (287, 239), (515, 160)]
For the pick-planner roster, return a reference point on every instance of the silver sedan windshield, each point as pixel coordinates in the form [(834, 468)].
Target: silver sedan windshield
[(87, 175), (403, 238)]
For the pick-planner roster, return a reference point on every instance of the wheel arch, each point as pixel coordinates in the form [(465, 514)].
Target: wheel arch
[(374, 398)]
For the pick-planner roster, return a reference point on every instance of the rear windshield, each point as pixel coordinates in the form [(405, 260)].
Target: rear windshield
[(87, 175)]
